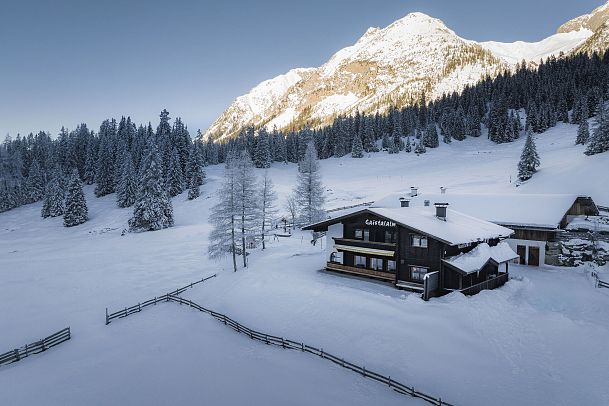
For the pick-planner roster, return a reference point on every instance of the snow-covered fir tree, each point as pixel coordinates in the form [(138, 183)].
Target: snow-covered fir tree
[(357, 150), (54, 199), (599, 140), (262, 151), (529, 159), (152, 210), (309, 191), (90, 161), (76, 205), (196, 174), (430, 137), (267, 206), (408, 147), (420, 148), (175, 177), (126, 190), (35, 183), (105, 171), (583, 132)]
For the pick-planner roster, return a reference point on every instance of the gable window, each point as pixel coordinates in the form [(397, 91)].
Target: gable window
[(417, 273), (418, 241), (376, 264), (390, 236), (359, 234), (360, 261), (366, 234)]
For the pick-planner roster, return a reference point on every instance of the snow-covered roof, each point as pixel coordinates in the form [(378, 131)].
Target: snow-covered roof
[(530, 210), (457, 228), (476, 259)]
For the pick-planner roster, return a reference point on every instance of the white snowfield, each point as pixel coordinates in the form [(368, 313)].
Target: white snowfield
[(540, 339)]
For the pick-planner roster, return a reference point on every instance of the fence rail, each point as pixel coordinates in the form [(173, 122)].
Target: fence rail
[(295, 345), (599, 283), (138, 307), (36, 347), (488, 284)]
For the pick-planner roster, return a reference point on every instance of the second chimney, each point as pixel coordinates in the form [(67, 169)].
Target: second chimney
[(441, 210), (414, 191), (404, 202)]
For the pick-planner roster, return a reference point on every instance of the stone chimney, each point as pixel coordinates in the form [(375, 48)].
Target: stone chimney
[(441, 210), (414, 191), (426, 203), (442, 190), (404, 202)]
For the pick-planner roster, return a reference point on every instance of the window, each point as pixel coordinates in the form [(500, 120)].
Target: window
[(390, 236), (391, 266), (376, 264), (359, 234), (417, 273), (366, 234), (418, 241), (360, 261)]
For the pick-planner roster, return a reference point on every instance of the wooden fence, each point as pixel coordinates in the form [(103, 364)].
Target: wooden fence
[(36, 347), (138, 307), (599, 283), (295, 345), (488, 284)]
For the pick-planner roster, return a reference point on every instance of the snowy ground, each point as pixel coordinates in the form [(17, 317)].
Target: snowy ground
[(538, 340)]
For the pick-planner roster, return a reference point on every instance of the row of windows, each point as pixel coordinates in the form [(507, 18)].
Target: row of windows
[(364, 234), (375, 263), (391, 237), (417, 273)]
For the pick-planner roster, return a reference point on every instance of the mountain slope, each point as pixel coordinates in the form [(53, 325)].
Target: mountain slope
[(393, 66)]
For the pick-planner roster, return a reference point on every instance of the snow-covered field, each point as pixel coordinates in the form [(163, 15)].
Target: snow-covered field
[(540, 339)]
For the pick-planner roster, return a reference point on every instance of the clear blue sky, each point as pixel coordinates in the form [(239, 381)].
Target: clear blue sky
[(65, 62)]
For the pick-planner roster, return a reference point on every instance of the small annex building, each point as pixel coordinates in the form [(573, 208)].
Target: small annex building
[(537, 219), (433, 250)]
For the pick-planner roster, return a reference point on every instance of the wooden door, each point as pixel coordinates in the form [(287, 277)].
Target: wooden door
[(534, 256), (521, 250)]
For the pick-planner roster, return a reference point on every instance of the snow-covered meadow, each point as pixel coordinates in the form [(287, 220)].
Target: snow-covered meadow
[(540, 339)]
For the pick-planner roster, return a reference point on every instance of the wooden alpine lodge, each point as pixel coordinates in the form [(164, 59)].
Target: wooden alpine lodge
[(431, 249)]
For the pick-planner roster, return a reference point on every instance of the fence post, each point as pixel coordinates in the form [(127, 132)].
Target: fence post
[(139, 307), (224, 318), (266, 339), (364, 371), (107, 321), (155, 300), (439, 401), (16, 351), (302, 347)]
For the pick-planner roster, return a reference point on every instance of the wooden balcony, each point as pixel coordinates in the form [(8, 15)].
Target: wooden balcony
[(385, 276), (365, 247)]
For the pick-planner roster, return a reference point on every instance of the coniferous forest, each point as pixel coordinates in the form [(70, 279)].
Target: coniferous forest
[(138, 162)]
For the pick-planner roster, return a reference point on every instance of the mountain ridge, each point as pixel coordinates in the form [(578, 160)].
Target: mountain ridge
[(394, 66)]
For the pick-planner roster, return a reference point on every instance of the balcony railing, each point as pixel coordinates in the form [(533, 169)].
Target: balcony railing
[(386, 276), (365, 244), (493, 283)]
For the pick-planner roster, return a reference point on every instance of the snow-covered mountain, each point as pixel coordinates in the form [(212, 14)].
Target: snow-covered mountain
[(393, 66)]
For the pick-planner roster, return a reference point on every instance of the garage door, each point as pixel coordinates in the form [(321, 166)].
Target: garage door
[(533, 256)]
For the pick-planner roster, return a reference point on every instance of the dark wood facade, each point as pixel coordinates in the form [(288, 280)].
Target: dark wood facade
[(379, 248)]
